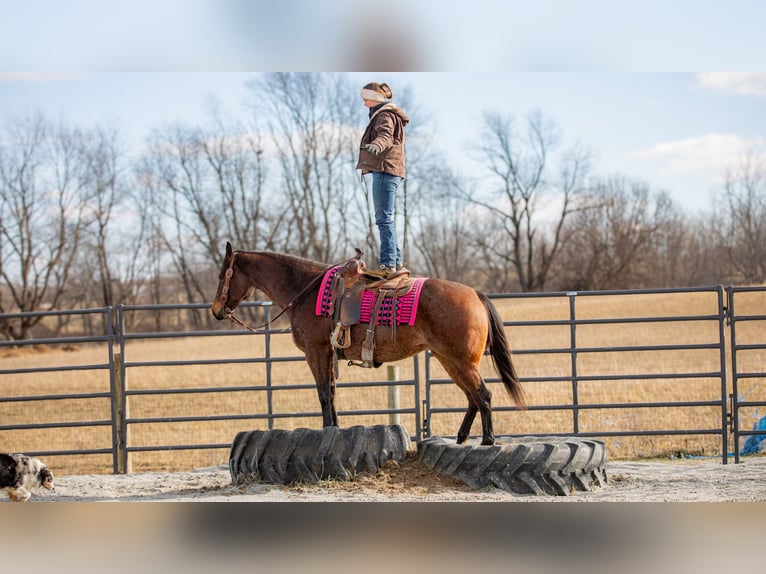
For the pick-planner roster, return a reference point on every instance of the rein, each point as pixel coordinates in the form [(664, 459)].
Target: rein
[(229, 313)]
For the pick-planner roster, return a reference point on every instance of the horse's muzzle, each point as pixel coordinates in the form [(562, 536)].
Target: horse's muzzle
[(218, 314)]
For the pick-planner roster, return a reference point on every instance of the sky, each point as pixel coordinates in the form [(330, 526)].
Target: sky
[(669, 93)]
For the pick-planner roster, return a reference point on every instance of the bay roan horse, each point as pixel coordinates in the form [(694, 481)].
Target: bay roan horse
[(456, 322)]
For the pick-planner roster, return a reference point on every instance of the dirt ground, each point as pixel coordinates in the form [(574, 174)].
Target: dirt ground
[(705, 480)]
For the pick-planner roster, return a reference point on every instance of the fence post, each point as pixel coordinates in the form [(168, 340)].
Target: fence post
[(267, 357), (734, 400), (573, 354), (121, 415), (393, 394)]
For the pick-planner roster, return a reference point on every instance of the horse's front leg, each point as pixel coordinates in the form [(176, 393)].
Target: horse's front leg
[(320, 361)]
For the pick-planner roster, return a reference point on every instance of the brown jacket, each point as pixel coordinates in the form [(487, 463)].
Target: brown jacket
[(386, 130)]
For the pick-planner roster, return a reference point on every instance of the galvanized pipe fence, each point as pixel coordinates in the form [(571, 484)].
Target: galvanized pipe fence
[(735, 368), (577, 350)]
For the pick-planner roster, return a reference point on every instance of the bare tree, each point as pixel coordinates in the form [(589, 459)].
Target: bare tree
[(528, 203), (112, 264), (428, 178), (742, 223), (687, 253), (150, 264), (310, 117), (190, 221), (235, 157), (101, 156), (208, 185), (441, 228), (41, 201), (621, 240)]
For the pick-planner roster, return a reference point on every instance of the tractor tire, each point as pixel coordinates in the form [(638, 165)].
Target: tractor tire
[(527, 465), (310, 455)]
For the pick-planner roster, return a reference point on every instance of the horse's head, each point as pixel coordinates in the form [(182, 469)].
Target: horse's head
[(233, 286)]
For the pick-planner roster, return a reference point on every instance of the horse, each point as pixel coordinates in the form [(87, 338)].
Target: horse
[(457, 323)]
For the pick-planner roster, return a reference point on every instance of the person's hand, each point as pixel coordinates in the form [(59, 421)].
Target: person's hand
[(372, 148)]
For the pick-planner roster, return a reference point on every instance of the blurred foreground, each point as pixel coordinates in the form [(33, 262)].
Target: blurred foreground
[(341, 537)]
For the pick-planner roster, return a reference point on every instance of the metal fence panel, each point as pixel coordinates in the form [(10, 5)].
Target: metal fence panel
[(269, 387), (15, 407), (747, 314), (571, 339)]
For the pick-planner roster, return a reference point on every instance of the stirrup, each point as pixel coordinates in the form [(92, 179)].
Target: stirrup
[(340, 338)]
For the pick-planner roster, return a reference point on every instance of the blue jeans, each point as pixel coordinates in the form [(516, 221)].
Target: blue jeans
[(384, 188)]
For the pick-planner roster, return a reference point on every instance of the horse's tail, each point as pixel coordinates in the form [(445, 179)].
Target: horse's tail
[(499, 349)]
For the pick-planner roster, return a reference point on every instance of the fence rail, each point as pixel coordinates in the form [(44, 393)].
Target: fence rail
[(584, 342)]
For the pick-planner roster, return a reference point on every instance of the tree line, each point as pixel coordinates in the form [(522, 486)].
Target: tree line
[(86, 222)]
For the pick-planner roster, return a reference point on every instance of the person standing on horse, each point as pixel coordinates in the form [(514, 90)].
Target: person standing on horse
[(381, 152)]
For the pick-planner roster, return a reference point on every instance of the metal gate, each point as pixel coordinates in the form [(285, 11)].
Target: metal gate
[(747, 322)]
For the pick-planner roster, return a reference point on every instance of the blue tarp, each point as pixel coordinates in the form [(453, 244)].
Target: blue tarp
[(754, 443)]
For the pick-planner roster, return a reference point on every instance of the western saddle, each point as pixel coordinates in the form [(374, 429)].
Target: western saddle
[(345, 306)]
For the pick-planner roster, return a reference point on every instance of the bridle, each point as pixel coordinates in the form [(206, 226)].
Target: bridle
[(229, 313)]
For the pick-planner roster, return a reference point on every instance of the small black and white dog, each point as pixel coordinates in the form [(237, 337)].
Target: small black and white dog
[(20, 474)]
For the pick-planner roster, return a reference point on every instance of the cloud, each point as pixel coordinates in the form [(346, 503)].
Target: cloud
[(744, 83), (7, 77), (708, 153)]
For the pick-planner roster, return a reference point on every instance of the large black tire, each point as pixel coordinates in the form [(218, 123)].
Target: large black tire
[(550, 465), (310, 455)]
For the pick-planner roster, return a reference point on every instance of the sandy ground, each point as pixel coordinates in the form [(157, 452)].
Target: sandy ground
[(409, 481)]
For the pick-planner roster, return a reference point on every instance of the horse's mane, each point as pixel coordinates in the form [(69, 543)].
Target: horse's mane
[(294, 261)]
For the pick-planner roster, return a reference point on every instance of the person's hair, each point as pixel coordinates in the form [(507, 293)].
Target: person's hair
[(380, 88)]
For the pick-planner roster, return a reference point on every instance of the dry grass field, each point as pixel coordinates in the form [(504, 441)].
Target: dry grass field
[(538, 356)]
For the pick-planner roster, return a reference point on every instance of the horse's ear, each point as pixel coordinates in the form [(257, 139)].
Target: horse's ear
[(228, 250)]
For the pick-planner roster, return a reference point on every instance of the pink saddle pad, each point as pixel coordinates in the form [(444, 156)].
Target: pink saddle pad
[(406, 304)]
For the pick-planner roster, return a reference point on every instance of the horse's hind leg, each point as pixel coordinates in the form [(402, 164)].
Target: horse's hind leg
[(465, 427), (485, 408), (479, 399)]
